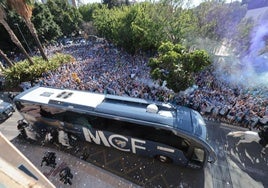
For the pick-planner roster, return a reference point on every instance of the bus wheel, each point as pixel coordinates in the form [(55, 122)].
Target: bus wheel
[(163, 159)]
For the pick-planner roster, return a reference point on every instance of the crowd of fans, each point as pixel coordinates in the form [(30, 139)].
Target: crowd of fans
[(228, 103), (101, 67)]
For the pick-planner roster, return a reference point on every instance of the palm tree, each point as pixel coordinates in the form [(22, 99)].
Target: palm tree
[(12, 34), (24, 8), (9, 62)]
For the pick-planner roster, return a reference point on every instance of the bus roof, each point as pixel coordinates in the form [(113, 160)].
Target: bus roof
[(44, 94), (137, 109)]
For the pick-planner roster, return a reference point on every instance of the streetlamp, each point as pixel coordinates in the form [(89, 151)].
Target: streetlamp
[(16, 24)]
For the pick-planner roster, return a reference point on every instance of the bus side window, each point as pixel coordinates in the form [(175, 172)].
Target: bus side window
[(78, 119), (45, 113), (69, 117), (82, 120), (126, 128), (169, 138), (52, 113), (98, 123)]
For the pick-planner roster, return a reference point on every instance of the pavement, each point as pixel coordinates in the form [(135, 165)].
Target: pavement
[(84, 174)]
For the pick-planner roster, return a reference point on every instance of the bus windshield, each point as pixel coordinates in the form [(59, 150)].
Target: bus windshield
[(198, 125), (192, 122)]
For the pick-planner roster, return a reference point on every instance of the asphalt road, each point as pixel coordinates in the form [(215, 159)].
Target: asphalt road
[(236, 167)]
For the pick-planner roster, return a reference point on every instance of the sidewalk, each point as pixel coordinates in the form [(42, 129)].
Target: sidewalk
[(84, 174)]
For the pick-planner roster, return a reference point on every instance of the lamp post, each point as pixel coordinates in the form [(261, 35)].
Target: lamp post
[(23, 37)]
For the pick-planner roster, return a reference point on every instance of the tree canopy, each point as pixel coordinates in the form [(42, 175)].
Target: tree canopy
[(52, 20), (67, 17), (176, 65), (48, 29)]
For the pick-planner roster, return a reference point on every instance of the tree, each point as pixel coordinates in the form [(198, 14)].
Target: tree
[(11, 33), (87, 11), (67, 17), (111, 3), (135, 28), (242, 39), (87, 16), (143, 26), (45, 24), (210, 19), (7, 60), (24, 8), (176, 65)]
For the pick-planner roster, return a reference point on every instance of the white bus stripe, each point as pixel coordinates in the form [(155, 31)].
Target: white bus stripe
[(165, 149)]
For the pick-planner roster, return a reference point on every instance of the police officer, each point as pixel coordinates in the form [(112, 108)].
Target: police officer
[(66, 175), (21, 127), (49, 159)]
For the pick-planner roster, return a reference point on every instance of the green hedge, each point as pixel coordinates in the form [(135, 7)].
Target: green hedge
[(23, 72)]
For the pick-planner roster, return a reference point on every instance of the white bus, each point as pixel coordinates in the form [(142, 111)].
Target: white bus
[(160, 130)]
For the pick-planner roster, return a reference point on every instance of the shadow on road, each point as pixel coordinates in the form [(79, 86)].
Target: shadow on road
[(247, 156), (145, 172)]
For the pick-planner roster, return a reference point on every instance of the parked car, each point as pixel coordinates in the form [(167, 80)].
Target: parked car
[(6, 110)]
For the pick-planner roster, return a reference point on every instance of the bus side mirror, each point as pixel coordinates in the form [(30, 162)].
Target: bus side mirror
[(210, 159)]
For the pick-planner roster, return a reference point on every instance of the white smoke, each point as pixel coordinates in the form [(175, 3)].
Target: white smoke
[(250, 70)]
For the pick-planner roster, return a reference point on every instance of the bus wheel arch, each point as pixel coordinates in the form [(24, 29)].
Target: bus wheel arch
[(163, 158)]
